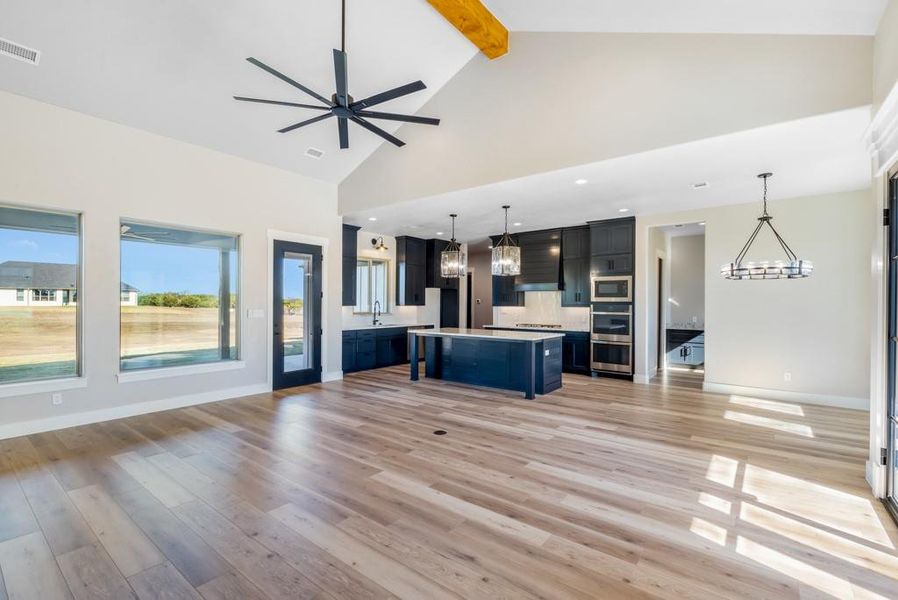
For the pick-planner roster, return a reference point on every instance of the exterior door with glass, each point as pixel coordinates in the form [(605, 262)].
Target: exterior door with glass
[(297, 314), (892, 388)]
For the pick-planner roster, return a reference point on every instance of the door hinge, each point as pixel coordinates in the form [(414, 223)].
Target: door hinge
[(884, 456), (885, 217)]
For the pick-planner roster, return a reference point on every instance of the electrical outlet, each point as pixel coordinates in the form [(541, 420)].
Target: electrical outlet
[(56, 398), (787, 376)]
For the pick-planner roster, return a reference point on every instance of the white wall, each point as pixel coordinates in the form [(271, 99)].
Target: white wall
[(686, 298), (631, 84), (885, 55), (55, 158), (818, 328)]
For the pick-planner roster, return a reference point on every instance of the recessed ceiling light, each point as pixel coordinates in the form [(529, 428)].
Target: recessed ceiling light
[(372, 218), (581, 181), (702, 223), (314, 153), (700, 185), (518, 224), (623, 210), (489, 247), (439, 233)]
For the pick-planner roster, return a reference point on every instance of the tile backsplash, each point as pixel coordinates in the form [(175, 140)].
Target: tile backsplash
[(543, 308)]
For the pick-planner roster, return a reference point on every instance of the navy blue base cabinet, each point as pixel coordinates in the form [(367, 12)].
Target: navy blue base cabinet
[(374, 348)]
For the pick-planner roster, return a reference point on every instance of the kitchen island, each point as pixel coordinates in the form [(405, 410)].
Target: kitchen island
[(525, 361)]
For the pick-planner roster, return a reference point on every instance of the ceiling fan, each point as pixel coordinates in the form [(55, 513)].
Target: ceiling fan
[(343, 106)]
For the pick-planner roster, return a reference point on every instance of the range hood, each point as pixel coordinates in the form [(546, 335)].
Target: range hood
[(540, 261)]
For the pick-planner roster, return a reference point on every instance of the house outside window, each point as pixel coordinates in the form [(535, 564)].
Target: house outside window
[(40, 265), (178, 296)]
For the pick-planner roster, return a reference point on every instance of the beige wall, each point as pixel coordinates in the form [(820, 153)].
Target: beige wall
[(818, 329), (686, 299), (565, 99), (885, 55), (55, 158)]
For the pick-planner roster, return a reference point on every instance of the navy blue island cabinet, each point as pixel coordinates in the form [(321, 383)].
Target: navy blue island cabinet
[(524, 361)]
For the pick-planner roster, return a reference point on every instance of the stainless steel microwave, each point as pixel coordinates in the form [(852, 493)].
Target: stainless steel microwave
[(612, 288)]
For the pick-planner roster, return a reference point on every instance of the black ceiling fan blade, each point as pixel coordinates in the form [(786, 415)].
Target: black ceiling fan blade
[(402, 90), (377, 130), (306, 122), (283, 77), (394, 117), (343, 130), (341, 76), (281, 103)]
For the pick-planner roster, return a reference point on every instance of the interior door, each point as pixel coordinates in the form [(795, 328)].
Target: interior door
[(892, 449), (297, 315)]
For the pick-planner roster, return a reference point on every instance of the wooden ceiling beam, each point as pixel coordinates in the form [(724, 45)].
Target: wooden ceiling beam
[(476, 23)]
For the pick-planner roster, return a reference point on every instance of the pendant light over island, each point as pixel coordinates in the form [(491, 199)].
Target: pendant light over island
[(506, 259)]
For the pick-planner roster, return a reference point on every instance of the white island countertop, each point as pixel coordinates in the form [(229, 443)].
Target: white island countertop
[(362, 327), (489, 334)]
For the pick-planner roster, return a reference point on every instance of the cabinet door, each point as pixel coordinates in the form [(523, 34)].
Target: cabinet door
[(581, 358), (575, 242), (349, 281), (349, 363), (613, 264), (576, 282), (614, 237)]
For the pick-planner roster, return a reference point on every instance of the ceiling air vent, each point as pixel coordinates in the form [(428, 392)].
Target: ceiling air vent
[(314, 153), (699, 185), (19, 52)]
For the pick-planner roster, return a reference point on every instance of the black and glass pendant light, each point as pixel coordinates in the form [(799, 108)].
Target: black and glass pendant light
[(453, 262), (791, 268), (506, 254)]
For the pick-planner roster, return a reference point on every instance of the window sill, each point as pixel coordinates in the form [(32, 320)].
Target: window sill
[(41, 387), (167, 372)]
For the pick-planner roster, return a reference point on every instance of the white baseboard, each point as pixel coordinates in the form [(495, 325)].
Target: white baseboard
[(128, 410), (787, 396), (331, 376)]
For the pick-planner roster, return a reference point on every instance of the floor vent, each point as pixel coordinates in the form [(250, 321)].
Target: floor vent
[(19, 52), (314, 153), (440, 432)]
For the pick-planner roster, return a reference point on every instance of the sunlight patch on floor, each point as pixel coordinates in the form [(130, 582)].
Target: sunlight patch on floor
[(769, 423), (824, 541), (794, 568), (722, 470), (709, 531), (715, 503), (771, 405), (818, 503)]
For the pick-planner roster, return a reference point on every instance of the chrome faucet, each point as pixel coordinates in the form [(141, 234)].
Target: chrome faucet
[(377, 312)]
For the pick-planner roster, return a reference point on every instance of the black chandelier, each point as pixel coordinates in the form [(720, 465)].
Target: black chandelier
[(791, 268), (453, 262)]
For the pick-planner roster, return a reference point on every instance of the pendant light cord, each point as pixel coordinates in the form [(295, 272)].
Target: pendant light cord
[(343, 28), (765, 218)]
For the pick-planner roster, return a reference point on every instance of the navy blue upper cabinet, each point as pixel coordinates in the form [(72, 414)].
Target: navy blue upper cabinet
[(612, 245), (540, 261), (612, 237), (350, 251), (575, 265), (411, 266), (433, 277)]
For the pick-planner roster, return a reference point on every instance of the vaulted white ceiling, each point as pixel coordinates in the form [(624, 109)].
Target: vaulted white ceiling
[(171, 67), (817, 155), (799, 17)]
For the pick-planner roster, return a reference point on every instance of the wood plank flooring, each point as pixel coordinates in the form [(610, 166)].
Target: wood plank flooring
[(603, 489)]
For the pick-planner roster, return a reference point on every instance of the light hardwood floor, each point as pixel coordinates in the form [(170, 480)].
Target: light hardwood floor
[(604, 489)]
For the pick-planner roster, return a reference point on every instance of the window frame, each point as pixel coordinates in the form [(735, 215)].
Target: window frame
[(371, 260), (60, 382), (164, 371)]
